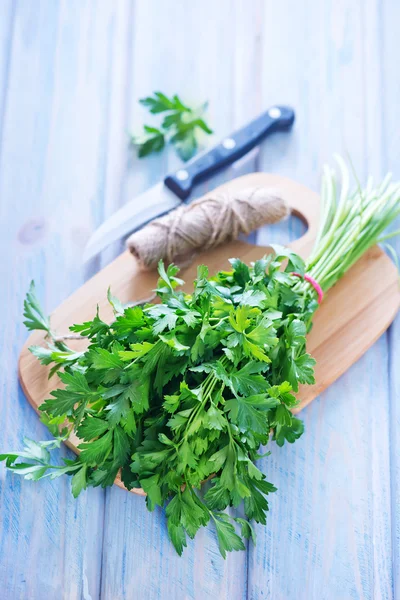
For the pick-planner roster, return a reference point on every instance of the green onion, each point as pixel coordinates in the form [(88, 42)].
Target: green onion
[(351, 223)]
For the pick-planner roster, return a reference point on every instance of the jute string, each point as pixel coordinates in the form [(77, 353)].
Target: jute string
[(206, 223), (201, 225)]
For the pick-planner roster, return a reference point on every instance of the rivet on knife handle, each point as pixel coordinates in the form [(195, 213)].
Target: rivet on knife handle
[(229, 149)]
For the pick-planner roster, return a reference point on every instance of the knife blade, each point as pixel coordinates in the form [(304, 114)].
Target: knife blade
[(177, 187)]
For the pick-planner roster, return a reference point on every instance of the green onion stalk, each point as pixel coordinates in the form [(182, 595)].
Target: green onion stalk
[(351, 223)]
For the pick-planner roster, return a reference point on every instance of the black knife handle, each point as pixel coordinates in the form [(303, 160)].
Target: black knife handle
[(231, 148)]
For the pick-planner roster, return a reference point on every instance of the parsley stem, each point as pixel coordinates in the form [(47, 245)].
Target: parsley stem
[(208, 384), (208, 387)]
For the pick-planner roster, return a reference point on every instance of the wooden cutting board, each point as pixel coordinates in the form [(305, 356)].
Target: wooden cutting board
[(352, 316)]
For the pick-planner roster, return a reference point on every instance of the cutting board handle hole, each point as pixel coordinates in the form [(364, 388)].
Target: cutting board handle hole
[(284, 232)]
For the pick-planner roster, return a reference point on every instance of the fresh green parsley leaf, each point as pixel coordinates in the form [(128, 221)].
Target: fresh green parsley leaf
[(96, 452), (118, 410), (264, 334), (131, 319), (299, 370), (295, 262), (249, 380), (103, 359), (247, 531), (91, 428), (172, 342), (161, 103), (177, 536), (152, 488), (33, 313), (289, 433), (63, 401), (249, 413), (121, 446), (180, 126), (92, 328), (79, 481), (151, 140), (117, 306), (228, 539), (241, 272), (136, 351)]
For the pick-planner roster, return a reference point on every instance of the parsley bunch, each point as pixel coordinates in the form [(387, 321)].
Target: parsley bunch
[(175, 393), (191, 389), (180, 127)]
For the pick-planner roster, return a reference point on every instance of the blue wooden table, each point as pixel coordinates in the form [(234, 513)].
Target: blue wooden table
[(71, 73)]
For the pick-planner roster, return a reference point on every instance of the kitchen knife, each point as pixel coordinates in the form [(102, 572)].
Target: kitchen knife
[(170, 193)]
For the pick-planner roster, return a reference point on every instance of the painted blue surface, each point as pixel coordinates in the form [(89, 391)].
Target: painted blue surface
[(71, 73)]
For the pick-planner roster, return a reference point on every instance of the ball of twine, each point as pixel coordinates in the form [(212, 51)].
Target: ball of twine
[(204, 224)]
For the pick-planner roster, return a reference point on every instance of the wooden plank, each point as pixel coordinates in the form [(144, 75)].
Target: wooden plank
[(7, 15), (387, 14), (328, 535), (208, 51), (55, 134)]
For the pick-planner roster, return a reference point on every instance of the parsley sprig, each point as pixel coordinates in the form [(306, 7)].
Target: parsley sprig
[(192, 389), (180, 127)]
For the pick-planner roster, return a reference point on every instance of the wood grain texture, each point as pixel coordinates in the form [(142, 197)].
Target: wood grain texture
[(54, 100), (389, 139), (336, 540), (71, 72)]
